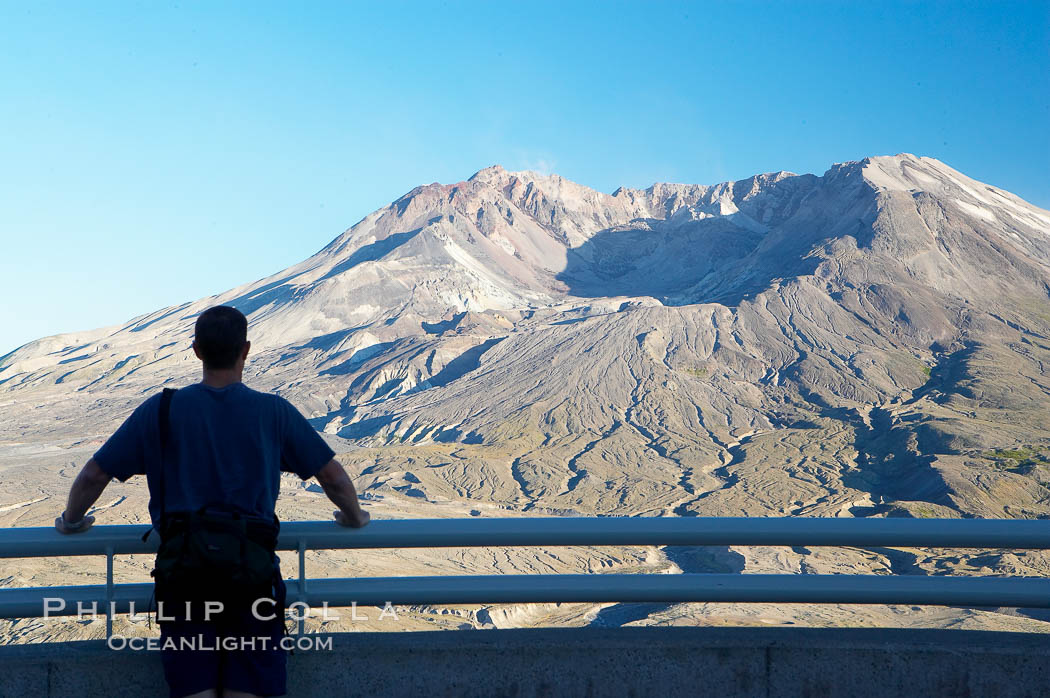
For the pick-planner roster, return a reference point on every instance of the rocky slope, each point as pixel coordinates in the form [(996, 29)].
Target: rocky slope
[(874, 341)]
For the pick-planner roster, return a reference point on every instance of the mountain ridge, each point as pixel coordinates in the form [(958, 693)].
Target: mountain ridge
[(663, 192), (665, 324), (869, 342)]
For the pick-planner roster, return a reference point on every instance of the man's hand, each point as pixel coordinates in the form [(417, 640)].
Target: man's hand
[(90, 482), (63, 526), (340, 490), (360, 520)]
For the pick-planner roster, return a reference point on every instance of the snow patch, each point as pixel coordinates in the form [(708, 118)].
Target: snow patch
[(504, 243), (975, 210), (884, 173)]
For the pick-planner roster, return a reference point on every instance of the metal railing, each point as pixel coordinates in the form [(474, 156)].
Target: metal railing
[(1026, 592)]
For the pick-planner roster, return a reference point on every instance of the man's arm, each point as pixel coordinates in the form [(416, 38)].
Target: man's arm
[(337, 485), (86, 490)]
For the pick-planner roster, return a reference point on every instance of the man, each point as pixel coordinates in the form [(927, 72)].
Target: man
[(225, 444)]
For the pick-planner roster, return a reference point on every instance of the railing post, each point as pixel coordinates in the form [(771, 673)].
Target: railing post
[(301, 623), (109, 591)]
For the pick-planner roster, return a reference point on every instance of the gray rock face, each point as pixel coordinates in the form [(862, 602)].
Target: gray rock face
[(871, 342), (784, 344)]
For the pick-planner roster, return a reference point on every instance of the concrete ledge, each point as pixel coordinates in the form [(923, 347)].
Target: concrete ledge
[(759, 662)]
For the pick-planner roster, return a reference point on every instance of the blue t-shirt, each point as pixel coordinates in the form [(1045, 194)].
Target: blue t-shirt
[(226, 445)]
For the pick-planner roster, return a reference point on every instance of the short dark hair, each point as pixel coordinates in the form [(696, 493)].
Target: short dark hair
[(219, 335)]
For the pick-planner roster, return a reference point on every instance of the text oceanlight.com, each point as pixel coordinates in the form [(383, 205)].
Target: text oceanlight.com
[(201, 643)]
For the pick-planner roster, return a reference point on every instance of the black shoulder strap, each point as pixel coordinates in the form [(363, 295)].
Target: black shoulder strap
[(165, 437), (164, 426), (165, 416)]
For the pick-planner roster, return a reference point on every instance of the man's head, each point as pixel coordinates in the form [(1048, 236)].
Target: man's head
[(220, 337)]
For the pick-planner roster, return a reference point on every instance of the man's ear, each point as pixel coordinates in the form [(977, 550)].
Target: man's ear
[(196, 351), (244, 352)]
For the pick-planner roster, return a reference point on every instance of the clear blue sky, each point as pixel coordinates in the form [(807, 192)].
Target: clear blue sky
[(154, 153)]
